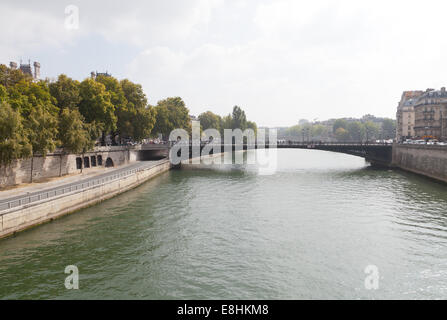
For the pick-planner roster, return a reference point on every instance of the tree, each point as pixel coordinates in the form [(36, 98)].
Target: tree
[(135, 118), (66, 92), (319, 131), (14, 143), (134, 94), (388, 129), (227, 122), (144, 121), (27, 95), (371, 130), (252, 125), (171, 114), (209, 120), (95, 105), (42, 130), (3, 94), (356, 131), (74, 134), (10, 77), (340, 123), (342, 135), (239, 119)]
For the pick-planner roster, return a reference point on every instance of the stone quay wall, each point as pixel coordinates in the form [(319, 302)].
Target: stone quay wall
[(58, 164), (427, 160), (26, 216)]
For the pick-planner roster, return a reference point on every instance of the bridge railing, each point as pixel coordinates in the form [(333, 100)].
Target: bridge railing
[(291, 142), (75, 188)]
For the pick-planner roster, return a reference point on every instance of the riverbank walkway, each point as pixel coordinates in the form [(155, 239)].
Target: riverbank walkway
[(23, 195)]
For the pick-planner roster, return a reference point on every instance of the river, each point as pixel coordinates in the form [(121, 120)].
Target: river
[(307, 231)]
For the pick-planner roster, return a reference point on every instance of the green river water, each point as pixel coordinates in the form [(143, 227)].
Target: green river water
[(226, 232)]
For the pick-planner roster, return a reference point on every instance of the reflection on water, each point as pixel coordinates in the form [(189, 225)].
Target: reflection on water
[(206, 232)]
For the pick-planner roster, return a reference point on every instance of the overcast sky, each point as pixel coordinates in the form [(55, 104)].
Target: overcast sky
[(280, 60)]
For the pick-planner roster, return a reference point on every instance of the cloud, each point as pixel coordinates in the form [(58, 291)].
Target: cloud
[(280, 60), (22, 30)]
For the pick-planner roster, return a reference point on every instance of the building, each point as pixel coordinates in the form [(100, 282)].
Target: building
[(94, 74), (430, 111), (26, 68), (405, 115)]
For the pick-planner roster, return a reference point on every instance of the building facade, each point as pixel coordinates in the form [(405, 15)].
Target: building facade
[(406, 115), (27, 69), (430, 111)]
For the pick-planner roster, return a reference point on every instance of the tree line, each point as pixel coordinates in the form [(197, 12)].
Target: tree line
[(36, 117), (369, 128), (235, 120)]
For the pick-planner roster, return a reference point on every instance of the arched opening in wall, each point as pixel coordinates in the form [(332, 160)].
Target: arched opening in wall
[(79, 163), (99, 160), (86, 162), (109, 163), (93, 161)]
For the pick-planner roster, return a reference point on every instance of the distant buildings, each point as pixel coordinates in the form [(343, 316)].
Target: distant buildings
[(26, 68), (422, 115), (97, 74)]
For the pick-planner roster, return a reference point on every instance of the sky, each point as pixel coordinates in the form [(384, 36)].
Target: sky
[(280, 60)]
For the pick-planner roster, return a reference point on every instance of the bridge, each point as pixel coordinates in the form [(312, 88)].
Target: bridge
[(379, 154)]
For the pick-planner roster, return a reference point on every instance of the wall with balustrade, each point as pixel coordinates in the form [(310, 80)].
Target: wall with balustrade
[(58, 164)]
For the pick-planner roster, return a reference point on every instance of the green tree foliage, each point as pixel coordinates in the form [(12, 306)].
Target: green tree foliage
[(342, 135), (27, 95), (134, 94), (135, 118), (37, 116), (209, 120), (14, 143), (3, 94), (144, 121), (371, 130), (96, 105), (171, 114), (252, 125), (236, 120), (74, 134), (368, 128), (307, 130), (226, 123), (10, 77), (356, 131), (340, 123), (42, 130), (239, 119), (388, 129), (66, 92)]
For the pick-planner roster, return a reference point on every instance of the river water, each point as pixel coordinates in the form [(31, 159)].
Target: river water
[(227, 232)]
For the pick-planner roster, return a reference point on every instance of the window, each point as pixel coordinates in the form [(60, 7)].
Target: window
[(86, 162), (78, 163)]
